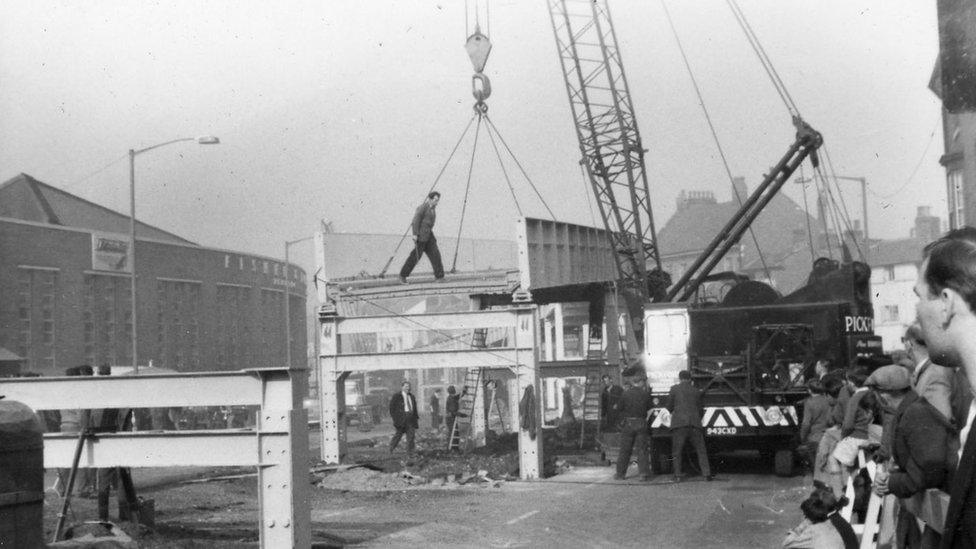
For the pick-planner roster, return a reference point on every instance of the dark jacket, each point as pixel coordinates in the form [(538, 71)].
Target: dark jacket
[(635, 402), (453, 404), (960, 524), (610, 402), (920, 447), (816, 414), (839, 408), (401, 419), (423, 222), (684, 403)]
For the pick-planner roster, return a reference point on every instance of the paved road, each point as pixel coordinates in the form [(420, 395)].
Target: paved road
[(582, 508)]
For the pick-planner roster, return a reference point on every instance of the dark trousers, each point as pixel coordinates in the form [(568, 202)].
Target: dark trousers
[(435, 420), (679, 436), (633, 432), (121, 479), (400, 431), (433, 254)]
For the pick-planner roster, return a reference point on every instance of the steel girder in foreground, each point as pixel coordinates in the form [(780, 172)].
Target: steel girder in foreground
[(278, 448)]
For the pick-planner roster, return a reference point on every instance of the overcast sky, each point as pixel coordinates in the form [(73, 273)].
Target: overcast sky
[(346, 109)]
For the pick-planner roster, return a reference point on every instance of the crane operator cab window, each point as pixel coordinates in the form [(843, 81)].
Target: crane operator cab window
[(666, 337)]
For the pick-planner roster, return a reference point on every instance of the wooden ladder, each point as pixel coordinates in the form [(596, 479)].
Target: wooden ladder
[(591, 403), (461, 430)]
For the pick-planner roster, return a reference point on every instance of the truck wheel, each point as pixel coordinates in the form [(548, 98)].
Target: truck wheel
[(783, 463)]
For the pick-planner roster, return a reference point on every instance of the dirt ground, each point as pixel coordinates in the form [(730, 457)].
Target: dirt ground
[(223, 512)]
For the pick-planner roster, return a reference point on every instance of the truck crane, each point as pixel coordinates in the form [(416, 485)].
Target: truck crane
[(750, 353)]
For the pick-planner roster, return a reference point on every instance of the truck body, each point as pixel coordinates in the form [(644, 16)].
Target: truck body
[(752, 363)]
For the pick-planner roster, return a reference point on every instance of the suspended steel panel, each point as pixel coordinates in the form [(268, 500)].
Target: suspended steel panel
[(553, 254)]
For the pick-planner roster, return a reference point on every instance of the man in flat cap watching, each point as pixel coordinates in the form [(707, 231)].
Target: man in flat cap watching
[(923, 449)]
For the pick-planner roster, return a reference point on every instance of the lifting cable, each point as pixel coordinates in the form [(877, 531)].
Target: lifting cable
[(432, 187), (806, 211), (501, 165), (521, 169), (711, 127), (586, 192), (467, 188), (846, 216), (760, 52)]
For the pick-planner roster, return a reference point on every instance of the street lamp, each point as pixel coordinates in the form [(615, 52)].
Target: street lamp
[(204, 140), (288, 244), (864, 205)]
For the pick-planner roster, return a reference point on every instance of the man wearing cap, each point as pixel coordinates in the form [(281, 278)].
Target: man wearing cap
[(930, 380), (946, 311), (634, 407), (920, 449)]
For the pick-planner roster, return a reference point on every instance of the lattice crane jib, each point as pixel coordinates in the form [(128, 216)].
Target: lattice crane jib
[(606, 127)]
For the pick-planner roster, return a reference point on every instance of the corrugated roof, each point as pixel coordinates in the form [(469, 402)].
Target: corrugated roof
[(23, 197)]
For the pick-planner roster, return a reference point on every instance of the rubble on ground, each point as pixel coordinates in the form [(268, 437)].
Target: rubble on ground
[(371, 466)]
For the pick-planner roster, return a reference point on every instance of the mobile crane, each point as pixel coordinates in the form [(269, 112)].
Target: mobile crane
[(751, 352)]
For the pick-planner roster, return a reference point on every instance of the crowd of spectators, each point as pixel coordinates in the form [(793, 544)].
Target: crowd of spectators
[(913, 418)]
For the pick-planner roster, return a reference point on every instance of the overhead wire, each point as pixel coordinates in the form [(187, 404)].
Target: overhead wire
[(918, 164), (711, 127), (94, 173)]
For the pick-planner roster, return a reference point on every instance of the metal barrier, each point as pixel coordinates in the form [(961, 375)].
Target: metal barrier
[(278, 447), (518, 353)]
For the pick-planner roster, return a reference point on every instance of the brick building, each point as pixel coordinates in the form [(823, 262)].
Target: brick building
[(65, 291)]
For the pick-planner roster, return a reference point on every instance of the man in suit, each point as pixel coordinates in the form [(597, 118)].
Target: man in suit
[(930, 380), (946, 311), (403, 410), (609, 402), (684, 404)]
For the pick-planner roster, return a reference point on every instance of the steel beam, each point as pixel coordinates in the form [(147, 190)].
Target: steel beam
[(419, 360), (143, 391), (464, 320)]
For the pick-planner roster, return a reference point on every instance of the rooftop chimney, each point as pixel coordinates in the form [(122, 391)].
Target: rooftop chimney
[(927, 226), (739, 185)]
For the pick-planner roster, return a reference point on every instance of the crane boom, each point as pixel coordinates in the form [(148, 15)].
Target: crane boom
[(609, 140)]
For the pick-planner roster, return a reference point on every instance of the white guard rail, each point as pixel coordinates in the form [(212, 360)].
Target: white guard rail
[(278, 447)]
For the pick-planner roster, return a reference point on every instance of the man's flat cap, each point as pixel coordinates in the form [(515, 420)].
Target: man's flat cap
[(890, 378)]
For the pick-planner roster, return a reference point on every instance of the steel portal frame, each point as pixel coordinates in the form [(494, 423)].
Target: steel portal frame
[(519, 355)]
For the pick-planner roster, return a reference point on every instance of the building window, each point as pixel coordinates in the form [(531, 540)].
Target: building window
[(890, 272), (957, 217), (891, 313), (227, 261), (107, 319), (178, 324)]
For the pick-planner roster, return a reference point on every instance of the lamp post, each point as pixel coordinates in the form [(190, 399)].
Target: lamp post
[(864, 204), (205, 140), (288, 244)]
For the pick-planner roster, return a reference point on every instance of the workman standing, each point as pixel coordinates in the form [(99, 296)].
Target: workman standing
[(424, 241), (684, 404), (406, 420), (634, 407)]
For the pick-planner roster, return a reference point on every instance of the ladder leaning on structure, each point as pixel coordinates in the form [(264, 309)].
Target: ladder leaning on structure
[(462, 425), (591, 404)]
